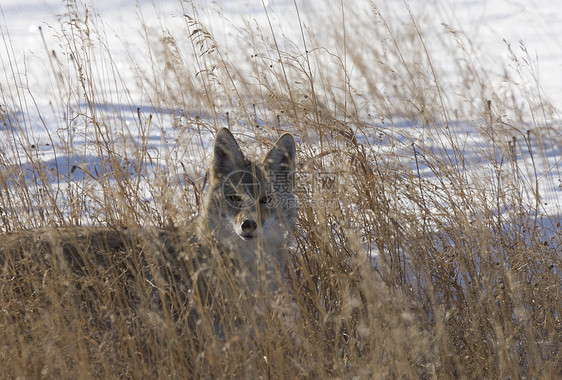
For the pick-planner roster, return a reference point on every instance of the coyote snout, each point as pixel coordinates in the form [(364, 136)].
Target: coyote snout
[(247, 227)]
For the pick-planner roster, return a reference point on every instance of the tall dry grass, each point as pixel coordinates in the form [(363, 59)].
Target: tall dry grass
[(423, 247)]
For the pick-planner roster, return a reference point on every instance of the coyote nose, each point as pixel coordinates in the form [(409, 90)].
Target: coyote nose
[(249, 226)]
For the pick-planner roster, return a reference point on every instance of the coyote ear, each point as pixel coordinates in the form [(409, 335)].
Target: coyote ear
[(226, 154), (282, 156)]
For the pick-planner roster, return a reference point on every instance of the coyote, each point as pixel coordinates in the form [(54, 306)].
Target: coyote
[(246, 220)]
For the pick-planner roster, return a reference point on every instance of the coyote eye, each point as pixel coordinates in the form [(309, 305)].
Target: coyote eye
[(234, 198), (265, 200)]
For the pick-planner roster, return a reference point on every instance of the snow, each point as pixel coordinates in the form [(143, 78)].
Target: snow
[(30, 32), (487, 24)]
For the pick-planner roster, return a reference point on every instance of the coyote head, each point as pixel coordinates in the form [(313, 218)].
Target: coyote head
[(250, 207)]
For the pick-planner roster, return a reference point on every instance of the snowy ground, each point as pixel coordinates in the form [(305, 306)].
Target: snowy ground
[(488, 24), (29, 32)]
